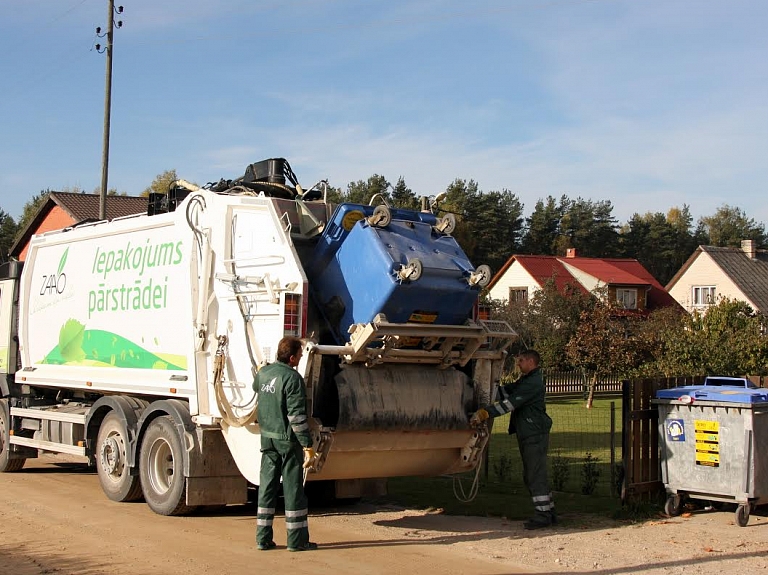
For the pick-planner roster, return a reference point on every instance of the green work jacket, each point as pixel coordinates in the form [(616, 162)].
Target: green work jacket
[(524, 398), (282, 403)]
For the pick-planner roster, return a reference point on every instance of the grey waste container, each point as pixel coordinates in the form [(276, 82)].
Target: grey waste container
[(713, 441)]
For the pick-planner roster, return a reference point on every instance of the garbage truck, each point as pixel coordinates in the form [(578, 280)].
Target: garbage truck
[(133, 343)]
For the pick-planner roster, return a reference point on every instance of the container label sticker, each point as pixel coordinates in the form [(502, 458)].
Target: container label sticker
[(707, 442), (675, 429), (701, 425)]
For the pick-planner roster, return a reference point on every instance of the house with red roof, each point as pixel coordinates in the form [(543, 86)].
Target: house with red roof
[(64, 209), (625, 279)]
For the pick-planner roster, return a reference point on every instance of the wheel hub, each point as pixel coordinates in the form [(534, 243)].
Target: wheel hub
[(110, 456)]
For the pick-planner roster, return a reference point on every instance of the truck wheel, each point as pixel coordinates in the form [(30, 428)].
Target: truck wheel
[(112, 461), (162, 470), (7, 465)]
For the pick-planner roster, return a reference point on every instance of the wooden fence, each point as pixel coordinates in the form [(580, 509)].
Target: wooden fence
[(573, 383), (640, 445)]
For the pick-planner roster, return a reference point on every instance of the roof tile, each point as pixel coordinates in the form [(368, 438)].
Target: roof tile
[(750, 275)]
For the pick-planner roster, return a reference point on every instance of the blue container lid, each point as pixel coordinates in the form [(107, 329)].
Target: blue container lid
[(720, 393)]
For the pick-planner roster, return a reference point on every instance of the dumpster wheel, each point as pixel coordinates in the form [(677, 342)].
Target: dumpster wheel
[(673, 505), (742, 514)]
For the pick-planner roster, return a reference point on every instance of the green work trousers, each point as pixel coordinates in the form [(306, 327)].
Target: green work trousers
[(282, 458), (533, 451)]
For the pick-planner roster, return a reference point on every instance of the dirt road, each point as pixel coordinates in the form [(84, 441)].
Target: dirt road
[(55, 519)]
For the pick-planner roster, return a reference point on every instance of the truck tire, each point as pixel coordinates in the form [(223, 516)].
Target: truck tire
[(7, 465), (112, 461), (161, 468)]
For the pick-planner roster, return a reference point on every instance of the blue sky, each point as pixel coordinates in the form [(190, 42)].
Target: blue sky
[(647, 103)]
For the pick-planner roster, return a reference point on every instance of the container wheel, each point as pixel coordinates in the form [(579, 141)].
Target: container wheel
[(381, 217), (447, 224), (112, 461), (7, 465), (742, 515), (415, 269), (161, 468), (485, 275), (673, 505)]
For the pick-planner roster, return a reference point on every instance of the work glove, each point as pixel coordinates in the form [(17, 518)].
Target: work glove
[(309, 457), (478, 417)]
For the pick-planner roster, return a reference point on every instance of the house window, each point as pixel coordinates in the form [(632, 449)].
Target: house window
[(703, 295), (627, 297), (518, 294)]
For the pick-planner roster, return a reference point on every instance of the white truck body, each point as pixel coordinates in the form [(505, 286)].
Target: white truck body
[(126, 323)]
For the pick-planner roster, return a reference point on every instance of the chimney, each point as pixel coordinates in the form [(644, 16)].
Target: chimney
[(571, 252), (749, 247)]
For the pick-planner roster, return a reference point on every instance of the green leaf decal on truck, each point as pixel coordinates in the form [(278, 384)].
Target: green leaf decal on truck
[(71, 340), (99, 348), (62, 261)]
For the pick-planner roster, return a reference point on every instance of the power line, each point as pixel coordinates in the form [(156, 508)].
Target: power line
[(63, 14)]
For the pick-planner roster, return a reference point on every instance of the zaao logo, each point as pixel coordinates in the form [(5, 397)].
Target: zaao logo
[(55, 283)]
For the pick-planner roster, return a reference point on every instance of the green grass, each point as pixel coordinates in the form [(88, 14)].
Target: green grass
[(576, 432)]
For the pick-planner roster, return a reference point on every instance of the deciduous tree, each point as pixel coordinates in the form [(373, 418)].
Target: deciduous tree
[(729, 225), (161, 183)]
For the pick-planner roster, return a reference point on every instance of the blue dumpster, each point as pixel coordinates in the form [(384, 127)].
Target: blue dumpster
[(356, 271)]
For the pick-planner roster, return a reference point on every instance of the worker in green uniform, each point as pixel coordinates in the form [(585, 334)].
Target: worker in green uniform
[(524, 398), (282, 417)]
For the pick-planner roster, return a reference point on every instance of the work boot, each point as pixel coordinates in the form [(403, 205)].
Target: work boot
[(537, 523), (266, 546), (308, 546)]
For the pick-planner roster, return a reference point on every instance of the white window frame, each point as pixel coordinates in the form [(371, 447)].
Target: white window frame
[(623, 293), (703, 296)]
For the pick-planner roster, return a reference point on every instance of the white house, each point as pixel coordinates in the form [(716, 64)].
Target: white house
[(714, 272)]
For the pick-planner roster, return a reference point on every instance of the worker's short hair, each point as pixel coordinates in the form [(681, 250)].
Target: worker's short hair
[(530, 354), (287, 347)]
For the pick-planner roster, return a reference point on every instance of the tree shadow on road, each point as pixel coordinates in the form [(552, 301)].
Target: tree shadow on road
[(22, 559), (688, 565)]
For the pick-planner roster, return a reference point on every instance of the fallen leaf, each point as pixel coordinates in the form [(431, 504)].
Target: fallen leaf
[(710, 550)]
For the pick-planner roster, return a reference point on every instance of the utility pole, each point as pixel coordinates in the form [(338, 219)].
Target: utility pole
[(107, 103)]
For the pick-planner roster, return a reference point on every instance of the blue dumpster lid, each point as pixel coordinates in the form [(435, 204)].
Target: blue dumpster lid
[(721, 393)]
